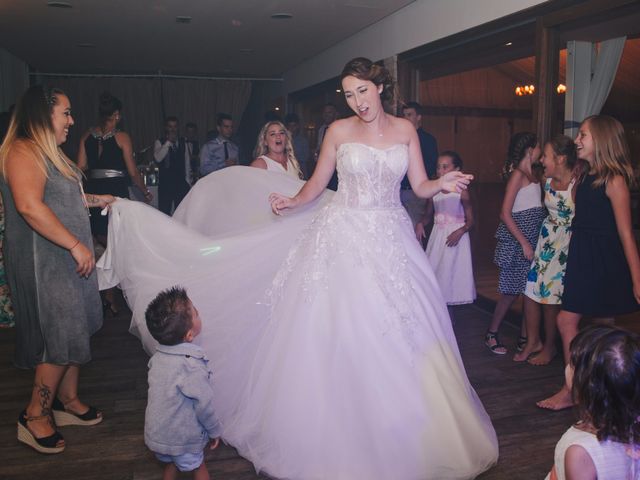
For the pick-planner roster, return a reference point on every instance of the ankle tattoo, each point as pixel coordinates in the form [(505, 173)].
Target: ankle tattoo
[(45, 397)]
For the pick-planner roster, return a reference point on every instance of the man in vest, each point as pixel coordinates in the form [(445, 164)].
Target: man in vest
[(170, 153)]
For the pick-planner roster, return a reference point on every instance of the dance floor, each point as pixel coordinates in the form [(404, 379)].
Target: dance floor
[(116, 381)]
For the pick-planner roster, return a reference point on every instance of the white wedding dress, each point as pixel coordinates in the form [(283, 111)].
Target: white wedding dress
[(330, 342)]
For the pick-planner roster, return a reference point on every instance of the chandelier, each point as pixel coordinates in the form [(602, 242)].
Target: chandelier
[(530, 90)]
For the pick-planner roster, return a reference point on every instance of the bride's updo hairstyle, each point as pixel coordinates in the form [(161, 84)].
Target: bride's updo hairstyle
[(365, 69)]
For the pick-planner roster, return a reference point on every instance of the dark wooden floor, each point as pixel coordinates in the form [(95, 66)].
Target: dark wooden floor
[(116, 382)]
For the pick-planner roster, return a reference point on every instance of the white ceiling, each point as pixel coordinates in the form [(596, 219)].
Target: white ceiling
[(235, 38)]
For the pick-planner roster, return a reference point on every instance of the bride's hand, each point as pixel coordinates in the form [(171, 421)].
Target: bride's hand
[(280, 202), (455, 181)]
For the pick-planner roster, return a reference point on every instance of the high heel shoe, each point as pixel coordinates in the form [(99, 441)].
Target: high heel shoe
[(64, 417), (49, 444)]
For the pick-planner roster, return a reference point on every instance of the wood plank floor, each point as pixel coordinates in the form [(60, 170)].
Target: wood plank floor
[(116, 381)]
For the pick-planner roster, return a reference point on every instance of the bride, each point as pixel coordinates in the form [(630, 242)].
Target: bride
[(330, 342)]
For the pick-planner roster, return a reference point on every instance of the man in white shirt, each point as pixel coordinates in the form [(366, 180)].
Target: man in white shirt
[(220, 152)]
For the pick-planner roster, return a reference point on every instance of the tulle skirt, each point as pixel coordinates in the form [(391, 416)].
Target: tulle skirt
[(330, 342)]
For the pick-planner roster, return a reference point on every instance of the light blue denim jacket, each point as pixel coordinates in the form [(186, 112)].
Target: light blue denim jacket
[(180, 417)]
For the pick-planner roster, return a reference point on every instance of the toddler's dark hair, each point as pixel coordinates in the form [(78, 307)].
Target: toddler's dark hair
[(606, 381), (169, 316)]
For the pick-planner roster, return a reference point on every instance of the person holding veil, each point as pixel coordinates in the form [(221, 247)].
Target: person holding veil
[(330, 338)]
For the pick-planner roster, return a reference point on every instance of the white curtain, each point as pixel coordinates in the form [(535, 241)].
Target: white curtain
[(145, 102), (590, 101)]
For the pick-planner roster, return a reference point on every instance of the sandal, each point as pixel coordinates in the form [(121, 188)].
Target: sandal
[(49, 444), (498, 348), (521, 343), (64, 417)]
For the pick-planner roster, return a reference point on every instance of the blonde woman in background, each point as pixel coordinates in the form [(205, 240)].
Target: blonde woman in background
[(274, 150)]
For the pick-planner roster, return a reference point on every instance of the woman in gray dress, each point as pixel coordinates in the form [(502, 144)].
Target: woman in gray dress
[(49, 264)]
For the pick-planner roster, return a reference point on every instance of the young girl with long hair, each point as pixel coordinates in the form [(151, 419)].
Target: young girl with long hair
[(521, 215), (545, 281), (603, 269), (449, 248)]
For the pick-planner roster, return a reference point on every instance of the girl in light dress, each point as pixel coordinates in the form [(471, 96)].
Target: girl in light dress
[(545, 281), (449, 249), (521, 216), (602, 278), (274, 150), (603, 375)]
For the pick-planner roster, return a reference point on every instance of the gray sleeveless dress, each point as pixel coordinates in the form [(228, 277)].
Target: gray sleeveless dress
[(56, 311)]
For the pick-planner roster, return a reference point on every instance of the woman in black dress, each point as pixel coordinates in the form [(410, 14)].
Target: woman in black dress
[(106, 155)]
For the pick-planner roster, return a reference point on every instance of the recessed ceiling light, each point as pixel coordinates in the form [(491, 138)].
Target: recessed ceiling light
[(508, 44), (277, 109), (86, 45), (281, 16), (183, 19), (338, 90), (59, 5)]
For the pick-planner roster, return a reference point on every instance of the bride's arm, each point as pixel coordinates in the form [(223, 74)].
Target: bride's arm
[(318, 182), (420, 184)]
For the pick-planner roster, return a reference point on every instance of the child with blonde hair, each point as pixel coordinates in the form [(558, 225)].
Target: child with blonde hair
[(602, 279)]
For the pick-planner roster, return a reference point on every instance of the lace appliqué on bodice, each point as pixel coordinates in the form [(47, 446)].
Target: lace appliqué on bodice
[(363, 225)]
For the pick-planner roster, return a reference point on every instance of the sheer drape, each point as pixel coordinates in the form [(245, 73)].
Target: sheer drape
[(191, 100), (604, 74), (199, 101), (589, 97)]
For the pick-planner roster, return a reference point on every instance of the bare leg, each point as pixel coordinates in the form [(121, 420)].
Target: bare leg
[(502, 307), (532, 332), (201, 473), (568, 327), (548, 351), (45, 385), (68, 391), (170, 472)]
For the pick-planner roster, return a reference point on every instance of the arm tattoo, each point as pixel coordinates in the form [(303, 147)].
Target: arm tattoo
[(92, 199)]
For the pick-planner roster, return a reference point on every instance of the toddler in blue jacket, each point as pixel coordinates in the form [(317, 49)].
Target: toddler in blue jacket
[(180, 418)]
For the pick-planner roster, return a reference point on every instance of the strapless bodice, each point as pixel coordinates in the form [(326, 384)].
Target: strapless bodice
[(370, 177)]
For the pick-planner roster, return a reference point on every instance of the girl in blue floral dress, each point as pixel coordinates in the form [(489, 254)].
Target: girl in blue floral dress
[(545, 281)]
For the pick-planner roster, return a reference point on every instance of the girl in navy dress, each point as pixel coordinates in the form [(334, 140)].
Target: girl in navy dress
[(521, 215), (603, 269)]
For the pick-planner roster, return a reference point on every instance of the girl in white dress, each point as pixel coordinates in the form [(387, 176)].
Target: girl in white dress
[(449, 248), (331, 342), (603, 375), (274, 150)]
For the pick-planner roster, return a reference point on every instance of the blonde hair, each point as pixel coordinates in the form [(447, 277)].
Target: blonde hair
[(263, 149), (612, 155), (32, 127)]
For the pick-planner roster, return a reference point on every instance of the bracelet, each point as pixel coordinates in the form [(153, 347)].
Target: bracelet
[(75, 244)]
